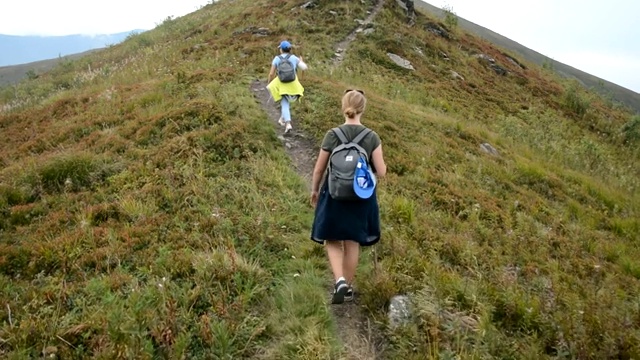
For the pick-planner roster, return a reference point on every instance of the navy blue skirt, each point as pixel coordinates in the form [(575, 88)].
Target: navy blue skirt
[(346, 220)]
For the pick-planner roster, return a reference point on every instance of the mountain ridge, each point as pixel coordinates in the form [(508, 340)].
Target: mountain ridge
[(23, 49)]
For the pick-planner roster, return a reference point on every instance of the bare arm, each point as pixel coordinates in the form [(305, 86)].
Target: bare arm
[(303, 68), (378, 161), (318, 170), (272, 73)]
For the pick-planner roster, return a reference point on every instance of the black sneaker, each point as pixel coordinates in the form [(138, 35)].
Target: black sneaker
[(348, 296), (339, 292)]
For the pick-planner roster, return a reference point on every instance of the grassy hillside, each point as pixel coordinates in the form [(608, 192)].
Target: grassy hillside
[(10, 75), (149, 210)]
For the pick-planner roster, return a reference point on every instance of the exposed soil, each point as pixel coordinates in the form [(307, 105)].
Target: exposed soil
[(299, 147), (359, 335)]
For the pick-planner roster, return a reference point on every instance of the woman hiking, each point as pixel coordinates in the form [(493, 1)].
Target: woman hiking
[(284, 85), (344, 226)]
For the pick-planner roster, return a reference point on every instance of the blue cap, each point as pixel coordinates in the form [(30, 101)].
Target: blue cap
[(364, 181), (285, 45)]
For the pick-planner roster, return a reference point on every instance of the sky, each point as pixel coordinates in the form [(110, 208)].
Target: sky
[(91, 17), (598, 37), (601, 38)]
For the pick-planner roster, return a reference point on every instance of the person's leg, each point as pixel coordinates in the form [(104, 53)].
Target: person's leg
[(336, 258), (285, 111), (350, 260)]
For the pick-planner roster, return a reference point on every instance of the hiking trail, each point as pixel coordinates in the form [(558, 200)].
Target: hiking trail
[(359, 335), (360, 338), (341, 47)]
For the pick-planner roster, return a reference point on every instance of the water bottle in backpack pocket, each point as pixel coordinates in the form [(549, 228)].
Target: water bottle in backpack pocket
[(344, 164)]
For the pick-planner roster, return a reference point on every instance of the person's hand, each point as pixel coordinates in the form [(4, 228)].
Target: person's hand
[(314, 198)]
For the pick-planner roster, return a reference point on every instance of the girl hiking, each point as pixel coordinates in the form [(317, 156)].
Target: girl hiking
[(343, 226), (284, 85)]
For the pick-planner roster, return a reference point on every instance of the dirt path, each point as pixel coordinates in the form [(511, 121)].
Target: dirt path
[(299, 147), (341, 47), (360, 337)]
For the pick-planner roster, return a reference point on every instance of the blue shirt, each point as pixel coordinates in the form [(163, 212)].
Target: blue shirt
[(294, 60)]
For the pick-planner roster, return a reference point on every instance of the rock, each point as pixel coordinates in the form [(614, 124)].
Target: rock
[(492, 64), (400, 61), (514, 61), (485, 57), (456, 76), (281, 138), (254, 30), (499, 69), (486, 147), (333, 12), (402, 5), (308, 5), (436, 29), (368, 31), (288, 145), (399, 311)]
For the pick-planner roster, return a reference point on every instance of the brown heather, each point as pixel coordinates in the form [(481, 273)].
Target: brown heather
[(148, 209)]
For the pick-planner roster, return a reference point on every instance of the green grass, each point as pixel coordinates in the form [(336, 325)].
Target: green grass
[(148, 210)]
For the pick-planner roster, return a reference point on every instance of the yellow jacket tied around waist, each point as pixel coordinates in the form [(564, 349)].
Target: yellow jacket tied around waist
[(277, 88)]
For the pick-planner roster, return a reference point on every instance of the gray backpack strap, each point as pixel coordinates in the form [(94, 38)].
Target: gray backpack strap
[(361, 135), (341, 135)]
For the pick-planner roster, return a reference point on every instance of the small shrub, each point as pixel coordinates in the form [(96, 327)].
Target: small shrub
[(12, 196), (25, 214), (69, 173), (631, 130), (31, 74), (450, 18), (574, 102)]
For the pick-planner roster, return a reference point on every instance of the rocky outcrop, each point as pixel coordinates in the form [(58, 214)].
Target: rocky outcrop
[(437, 29), (402, 62), (492, 64)]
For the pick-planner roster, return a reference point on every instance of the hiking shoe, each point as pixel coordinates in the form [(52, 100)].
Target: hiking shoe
[(348, 296), (339, 292), (288, 128), (281, 121)]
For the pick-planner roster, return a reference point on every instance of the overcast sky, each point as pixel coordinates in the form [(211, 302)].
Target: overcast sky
[(67, 17), (601, 38)]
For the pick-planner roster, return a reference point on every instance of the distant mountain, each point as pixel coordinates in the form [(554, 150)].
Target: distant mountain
[(15, 50)]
